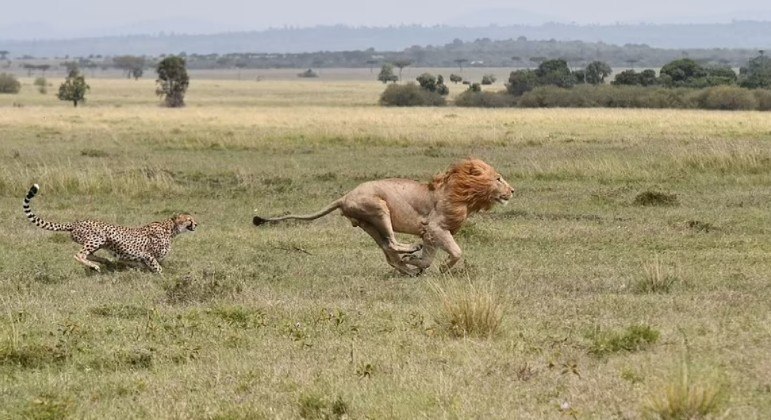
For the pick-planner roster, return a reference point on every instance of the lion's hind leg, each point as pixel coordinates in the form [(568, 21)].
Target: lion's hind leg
[(392, 257), (375, 213)]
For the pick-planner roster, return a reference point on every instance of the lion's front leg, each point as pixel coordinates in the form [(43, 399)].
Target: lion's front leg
[(444, 239), (423, 259)]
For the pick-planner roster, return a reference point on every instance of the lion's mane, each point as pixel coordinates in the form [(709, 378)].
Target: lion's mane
[(467, 187)]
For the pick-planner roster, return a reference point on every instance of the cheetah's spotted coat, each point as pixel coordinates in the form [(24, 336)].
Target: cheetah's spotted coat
[(146, 244)]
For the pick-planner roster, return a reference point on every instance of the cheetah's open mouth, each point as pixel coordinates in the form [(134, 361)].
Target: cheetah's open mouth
[(191, 228)]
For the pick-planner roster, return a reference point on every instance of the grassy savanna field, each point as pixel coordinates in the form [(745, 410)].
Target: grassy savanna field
[(607, 307)]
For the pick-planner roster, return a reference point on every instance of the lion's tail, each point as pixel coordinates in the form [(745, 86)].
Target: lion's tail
[(257, 220), (57, 227)]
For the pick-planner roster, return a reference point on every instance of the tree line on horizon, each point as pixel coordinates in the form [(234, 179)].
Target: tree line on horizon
[(484, 52), (682, 83)]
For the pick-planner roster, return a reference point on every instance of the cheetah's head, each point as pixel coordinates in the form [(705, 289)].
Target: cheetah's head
[(185, 223)]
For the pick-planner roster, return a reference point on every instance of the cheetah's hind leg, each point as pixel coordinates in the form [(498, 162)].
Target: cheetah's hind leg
[(83, 258)]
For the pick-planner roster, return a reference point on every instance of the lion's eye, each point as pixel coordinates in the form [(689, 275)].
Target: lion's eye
[(498, 179)]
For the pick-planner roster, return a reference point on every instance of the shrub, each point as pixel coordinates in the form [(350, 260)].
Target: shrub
[(308, 73), (763, 96), (727, 98), (488, 79), (430, 83), (9, 83), (485, 99), (410, 94), (455, 78), (608, 96), (42, 85)]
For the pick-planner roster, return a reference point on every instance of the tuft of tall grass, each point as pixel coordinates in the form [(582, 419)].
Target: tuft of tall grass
[(469, 310), (656, 278), (684, 398)]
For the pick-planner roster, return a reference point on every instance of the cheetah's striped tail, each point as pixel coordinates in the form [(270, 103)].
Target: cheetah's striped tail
[(57, 227)]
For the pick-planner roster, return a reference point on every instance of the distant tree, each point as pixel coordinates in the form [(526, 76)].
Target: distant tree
[(172, 81), (387, 73), (632, 62), (459, 62), (580, 76), (132, 65), (3, 54), (32, 67), (720, 75), (430, 83), (596, 72), (626, 78), (516, 59), (241, 64), (521, 81), (29, 68), (371, 64), (683, 72), (648, 77), (555, 72), (70, 66), (441, 88), (401, 64), (42, 85), (74, 88), (427, 81), (757, 74), (455, 78), (9, 83), (538, 60)]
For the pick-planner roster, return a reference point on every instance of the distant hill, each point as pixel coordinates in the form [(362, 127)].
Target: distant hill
[(741, 34)]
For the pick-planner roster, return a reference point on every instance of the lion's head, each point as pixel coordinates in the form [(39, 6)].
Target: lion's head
[(471, 185)]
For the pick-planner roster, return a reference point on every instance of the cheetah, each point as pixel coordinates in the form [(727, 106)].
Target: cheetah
[(145, 244)]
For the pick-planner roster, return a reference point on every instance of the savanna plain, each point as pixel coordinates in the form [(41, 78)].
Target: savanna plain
[(629, 277)]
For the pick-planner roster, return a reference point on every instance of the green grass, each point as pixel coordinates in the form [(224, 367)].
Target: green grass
[(307, 319)]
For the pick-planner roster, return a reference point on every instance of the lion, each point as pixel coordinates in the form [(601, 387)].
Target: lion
[(434, 211)]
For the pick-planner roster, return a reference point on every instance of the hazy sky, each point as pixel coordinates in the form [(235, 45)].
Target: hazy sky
[(73, 18)]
